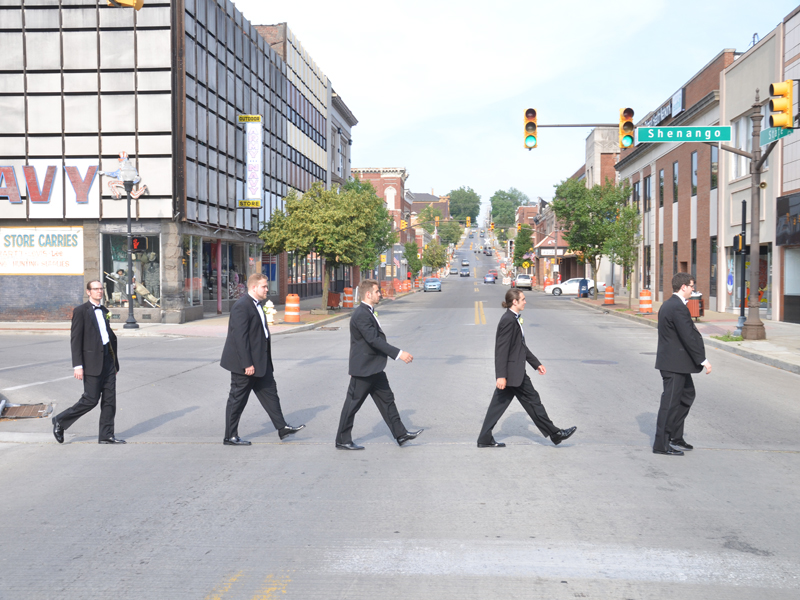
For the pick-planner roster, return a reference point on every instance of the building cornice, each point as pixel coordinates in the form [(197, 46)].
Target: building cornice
[(341, 108), (385, 172)]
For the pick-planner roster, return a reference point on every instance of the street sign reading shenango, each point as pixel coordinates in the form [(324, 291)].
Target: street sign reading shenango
[(652, 135), (773, 134)]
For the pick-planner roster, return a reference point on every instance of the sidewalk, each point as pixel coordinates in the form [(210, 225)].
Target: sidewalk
[(781, 349), (211, 325)]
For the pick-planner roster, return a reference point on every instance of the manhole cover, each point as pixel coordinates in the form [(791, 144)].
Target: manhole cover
[(327, 329), (599, 362), (649, 353), (26, 411)]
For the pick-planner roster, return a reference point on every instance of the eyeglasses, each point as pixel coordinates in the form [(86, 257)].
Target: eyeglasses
[(96, 289)]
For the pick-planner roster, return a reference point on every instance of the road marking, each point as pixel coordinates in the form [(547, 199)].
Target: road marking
[(480, 318), (483, 316), (19, 387), (219, 591), (273, 586)]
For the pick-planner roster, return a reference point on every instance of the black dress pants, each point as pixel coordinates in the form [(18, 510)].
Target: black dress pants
[(676, 400), (103, 389), (377, 386), (528, 397), (267, 393)]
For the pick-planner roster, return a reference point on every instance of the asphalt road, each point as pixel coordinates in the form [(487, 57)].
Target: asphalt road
[(175, 514)]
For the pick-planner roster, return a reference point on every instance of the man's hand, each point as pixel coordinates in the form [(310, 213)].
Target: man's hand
[(249, 370), (405, 357), (708, 368), (541, 370), (78, 374), (501, 383)]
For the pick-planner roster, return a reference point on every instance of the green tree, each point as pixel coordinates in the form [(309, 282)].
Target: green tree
[(586, 217), (505, 204), (501, 233), (464, 202), (346, 227), (427, 218), (434, 256), (380, 235), (450, 232), (522, 245), (410, 252), (622, 246)]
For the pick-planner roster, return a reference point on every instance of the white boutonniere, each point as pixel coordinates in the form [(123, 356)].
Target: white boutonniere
[(264, 308), (108, 316), (521, 321), (375, 313)]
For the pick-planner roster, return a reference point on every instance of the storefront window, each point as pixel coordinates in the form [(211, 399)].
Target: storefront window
[(269, 267), (734, 280), (233, 271), (192, 272), (146, 270)]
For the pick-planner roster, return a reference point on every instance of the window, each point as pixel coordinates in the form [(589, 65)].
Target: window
[(647, 193), (713, 283), (714, 166), (661, 266), (742, 140), (146, 269), (675, 182), (674, 258), (636, 195), (661, 188), (694, 173), (694, 262)]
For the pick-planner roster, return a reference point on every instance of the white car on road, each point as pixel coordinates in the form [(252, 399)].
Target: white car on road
[(523, 281), (570, 287)]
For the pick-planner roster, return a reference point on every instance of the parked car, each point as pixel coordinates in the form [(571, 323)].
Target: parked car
[(465, 263), (523, 281), (570, 287), (432, 284), (493, 272), (453, 270), (464, 273), (489, 278)]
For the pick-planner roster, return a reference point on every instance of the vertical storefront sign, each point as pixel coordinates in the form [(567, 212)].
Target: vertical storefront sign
[(253, 153), (41, 250)]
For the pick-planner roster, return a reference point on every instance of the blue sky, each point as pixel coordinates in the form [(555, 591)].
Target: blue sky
[(440, 88)]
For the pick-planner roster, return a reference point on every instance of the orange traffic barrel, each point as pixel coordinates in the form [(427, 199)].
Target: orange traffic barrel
[(609, 295), (348, 298), (416, 282), (292, 314), (645, 303)]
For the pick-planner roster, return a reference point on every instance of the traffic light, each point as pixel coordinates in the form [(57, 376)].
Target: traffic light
[(491, 226), (531, 129), (626, 127), (402, 224), (519, 226), (469, 220), (137, 4), (782, 105), (436, 219), (739, 243)]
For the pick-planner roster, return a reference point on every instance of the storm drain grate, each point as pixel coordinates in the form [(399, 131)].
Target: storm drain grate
[(26, 411), (327, 329)]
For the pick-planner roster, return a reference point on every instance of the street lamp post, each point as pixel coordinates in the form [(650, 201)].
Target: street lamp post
[(129, 176)]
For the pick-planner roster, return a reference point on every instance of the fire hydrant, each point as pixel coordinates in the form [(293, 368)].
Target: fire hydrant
[(269, 310)]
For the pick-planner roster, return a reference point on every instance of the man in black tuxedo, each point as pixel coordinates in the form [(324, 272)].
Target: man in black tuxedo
[(510, 355), (681, 352), (368, 353), (94, 361), (248, 356)]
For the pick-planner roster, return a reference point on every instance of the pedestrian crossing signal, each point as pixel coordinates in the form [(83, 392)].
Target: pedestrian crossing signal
[(531, 129), (626, 127), (782, 105)]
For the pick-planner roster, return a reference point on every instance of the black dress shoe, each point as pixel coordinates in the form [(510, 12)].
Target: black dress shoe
[(58, 432), (493, 444), (235, 441), (560, 436), (682, 444), (111, 440), (670, 452), (289, 430), (409, 435), (348, 446)]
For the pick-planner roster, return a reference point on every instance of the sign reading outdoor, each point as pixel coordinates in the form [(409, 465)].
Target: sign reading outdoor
[(649, 135), (249, 118), (249, 203), (772, 134)]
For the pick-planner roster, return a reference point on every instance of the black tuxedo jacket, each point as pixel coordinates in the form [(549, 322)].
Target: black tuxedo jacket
[(368, 346), (680, 345), (246, 344), (85, 340), (510, 351)]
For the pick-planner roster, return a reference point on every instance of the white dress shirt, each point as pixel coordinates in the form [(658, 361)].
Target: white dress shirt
[(520, 324), (101, 324), (260, 314)]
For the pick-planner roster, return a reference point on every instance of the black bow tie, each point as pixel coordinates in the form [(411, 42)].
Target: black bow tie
[(98, 307)]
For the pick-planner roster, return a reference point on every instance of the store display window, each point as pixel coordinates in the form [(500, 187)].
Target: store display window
[(146, 257)]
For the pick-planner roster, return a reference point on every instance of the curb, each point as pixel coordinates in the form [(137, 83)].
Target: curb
[(709, 341)]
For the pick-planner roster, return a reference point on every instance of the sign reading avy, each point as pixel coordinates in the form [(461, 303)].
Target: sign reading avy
[(650, 135)]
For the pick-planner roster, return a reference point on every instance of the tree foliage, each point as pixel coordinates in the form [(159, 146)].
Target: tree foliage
[(622, 245), (522, 245), (434, 256), (505, 204), (465, 202), (346, 227), (586, 217), (427, 218), (450, 232), (410, 252)]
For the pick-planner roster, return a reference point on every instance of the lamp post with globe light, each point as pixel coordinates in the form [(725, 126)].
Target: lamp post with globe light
[(129, 176)]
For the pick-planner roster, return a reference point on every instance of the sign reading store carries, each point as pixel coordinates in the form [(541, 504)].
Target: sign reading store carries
[(645, 135), (41, 250)]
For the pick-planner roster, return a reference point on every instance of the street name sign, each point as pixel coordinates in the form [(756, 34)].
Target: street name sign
[(773, 134), (249, 203), (651, 135)]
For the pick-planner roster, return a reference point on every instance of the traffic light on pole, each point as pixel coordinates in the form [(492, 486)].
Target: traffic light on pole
[(782, 105), (491, 227), (626, 127), (519, 226), (531, 129), (469, 220), (436, 219)]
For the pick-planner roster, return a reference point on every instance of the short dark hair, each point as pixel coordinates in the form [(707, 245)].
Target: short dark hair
[(511, 295), (89, 285), (680, 280)]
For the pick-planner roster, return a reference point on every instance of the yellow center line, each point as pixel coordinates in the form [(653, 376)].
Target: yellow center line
[(218, 592), (483, 316)]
